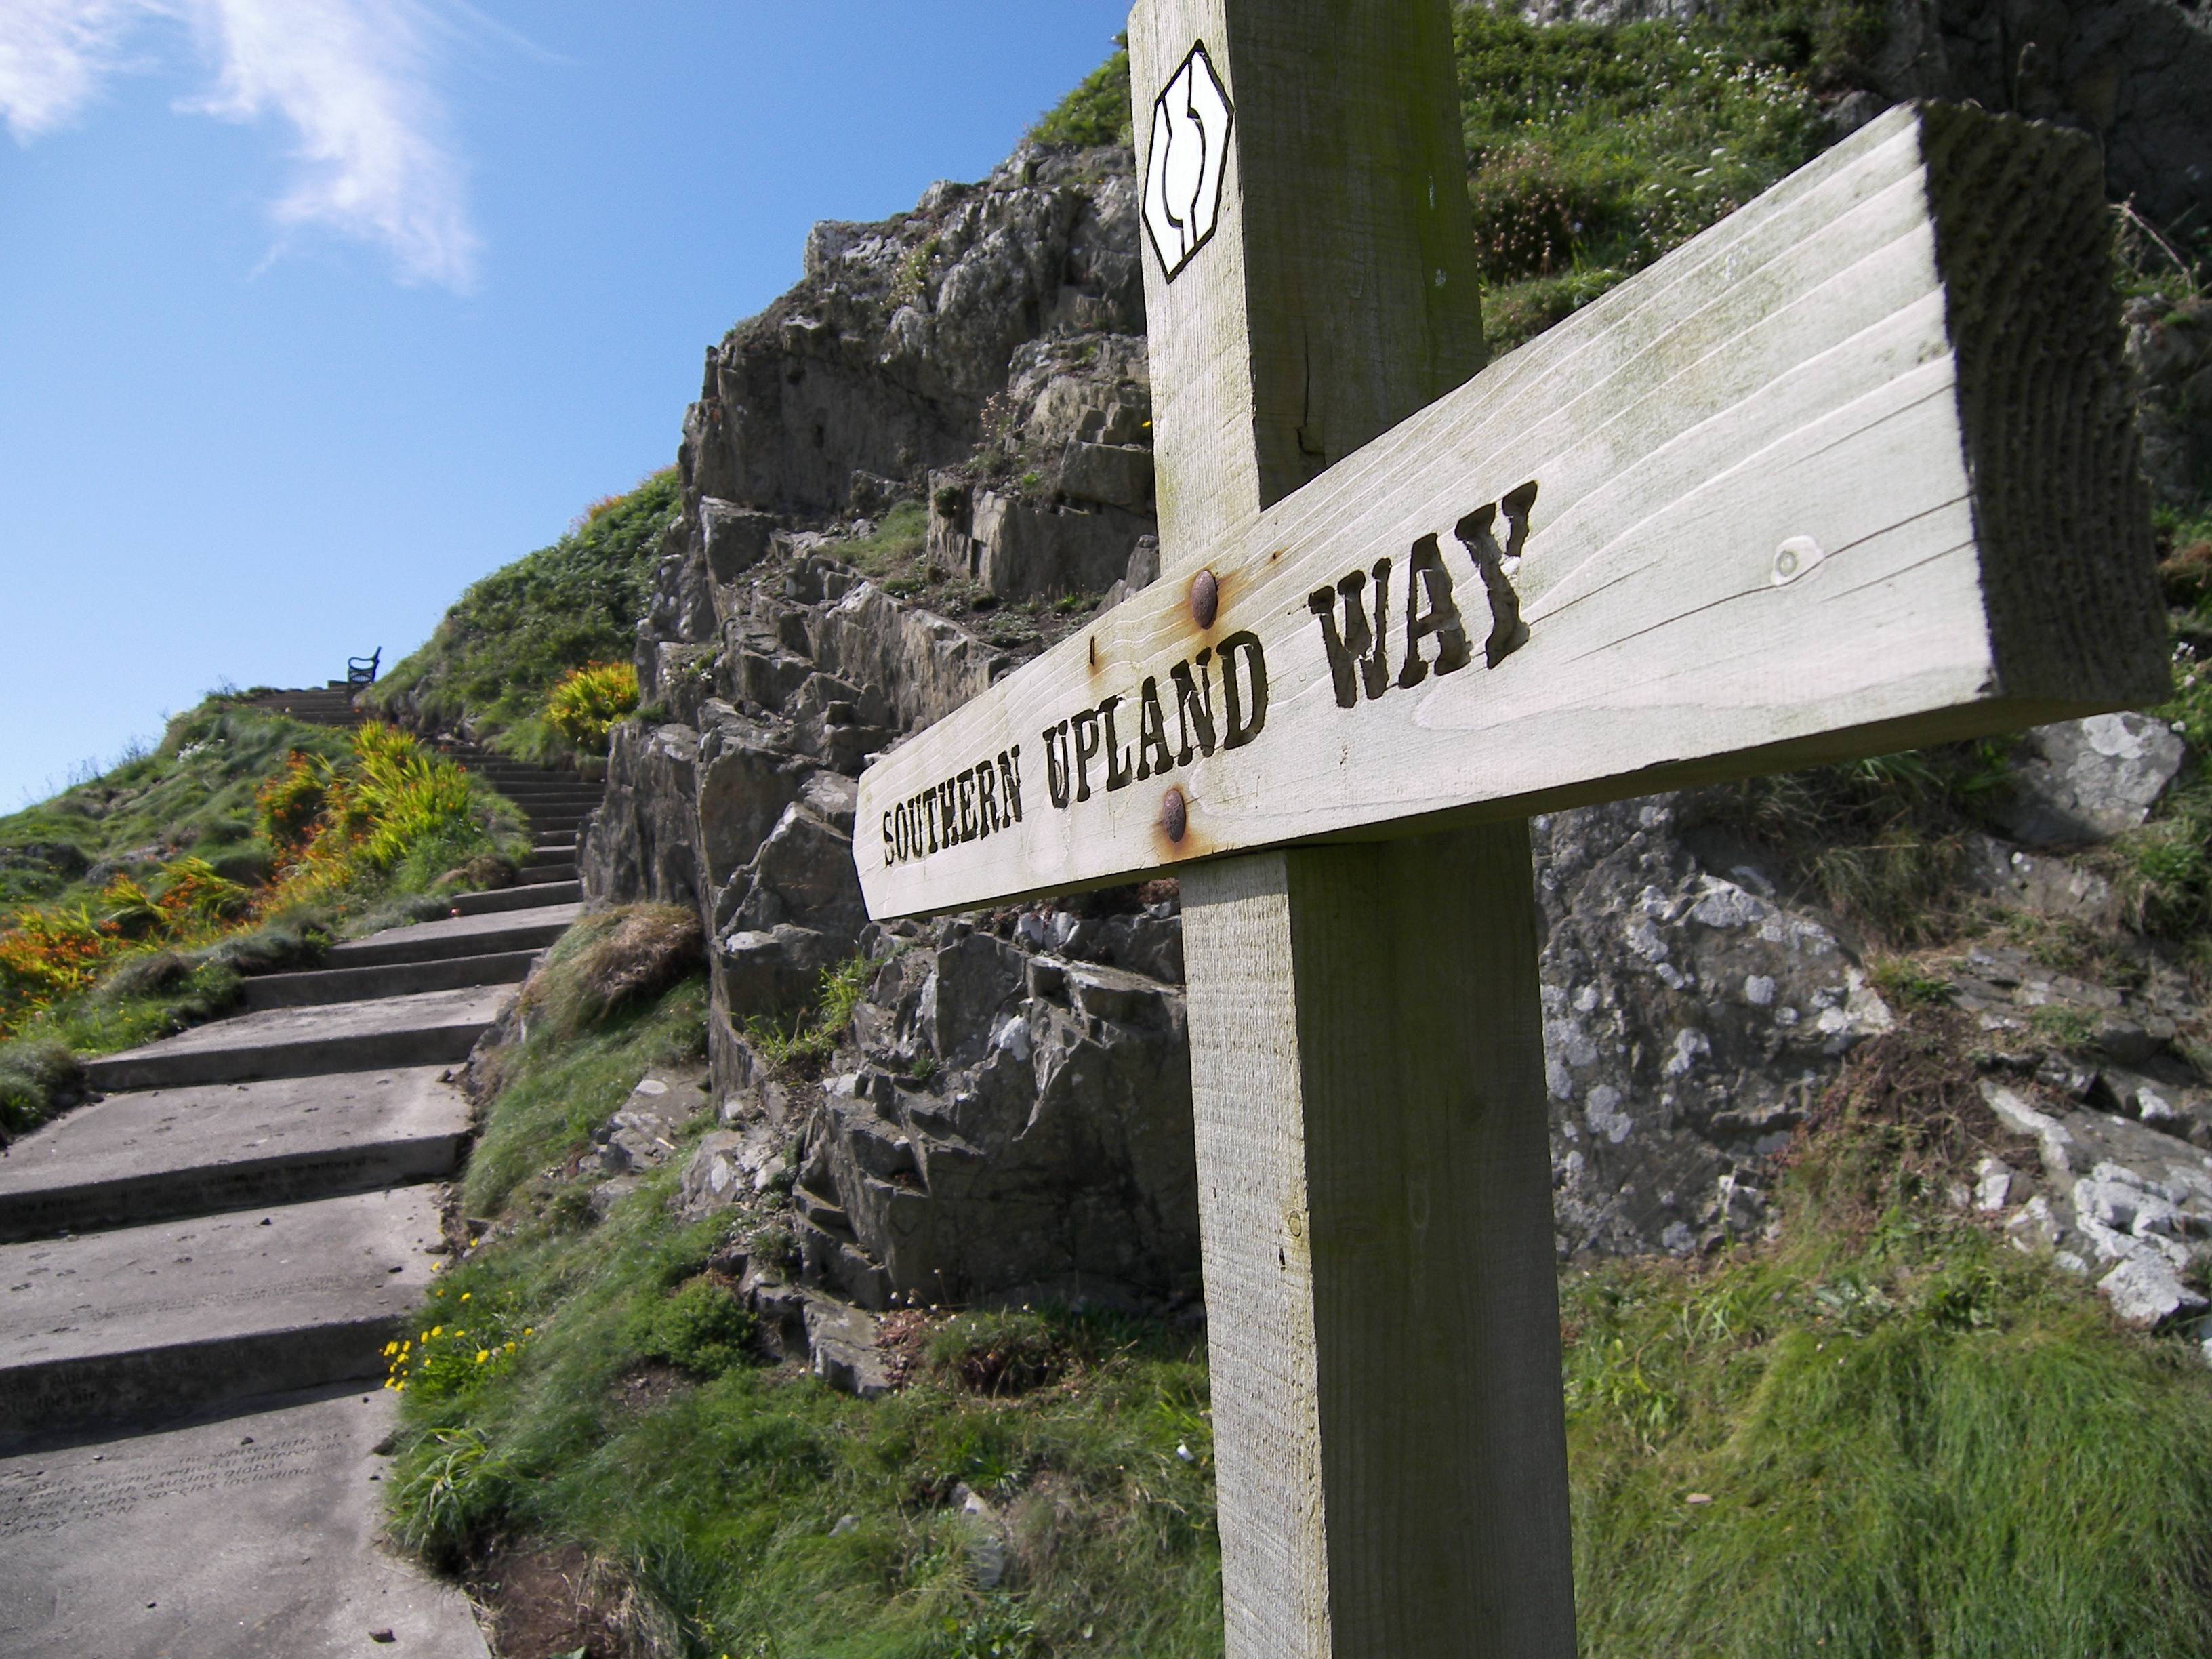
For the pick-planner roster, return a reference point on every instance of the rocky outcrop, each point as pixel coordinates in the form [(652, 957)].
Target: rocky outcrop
[(2169, 349), (1009, 1118), (880, 365), (1690, 1021), (1064, 497), (2087, 780)]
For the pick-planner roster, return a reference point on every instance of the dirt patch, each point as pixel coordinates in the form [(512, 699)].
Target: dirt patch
[(648, 1386), (1905, 1115), (547, 1601), (902, 1340)]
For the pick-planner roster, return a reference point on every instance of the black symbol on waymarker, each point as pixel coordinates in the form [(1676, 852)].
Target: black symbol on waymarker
[(1189, 154)]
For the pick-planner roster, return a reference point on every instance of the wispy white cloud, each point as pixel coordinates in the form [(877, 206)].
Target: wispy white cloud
[(52, 55), (350, 76)]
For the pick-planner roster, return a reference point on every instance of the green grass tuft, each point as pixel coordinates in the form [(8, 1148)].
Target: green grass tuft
[(799, 1045), (559, 1083)]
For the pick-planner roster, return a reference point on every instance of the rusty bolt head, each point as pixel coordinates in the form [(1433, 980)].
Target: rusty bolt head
[(1204, 600), (1174, 817)]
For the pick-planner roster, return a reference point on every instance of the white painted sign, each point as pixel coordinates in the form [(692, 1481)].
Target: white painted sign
[(1189, 154)]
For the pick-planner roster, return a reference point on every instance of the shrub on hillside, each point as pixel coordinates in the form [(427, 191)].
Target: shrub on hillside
[(511, 635), (702, 1328), (1097, 112), (394, 804), (586, 704), (1593, 149)]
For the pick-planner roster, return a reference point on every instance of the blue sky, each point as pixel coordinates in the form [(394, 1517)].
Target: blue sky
[(311, 312)]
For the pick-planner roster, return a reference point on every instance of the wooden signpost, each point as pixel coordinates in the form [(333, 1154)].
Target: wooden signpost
[(1851, 472)]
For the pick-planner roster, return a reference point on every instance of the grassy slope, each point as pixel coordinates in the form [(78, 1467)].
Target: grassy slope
[(500, 648), (1886, 1434), (1592, 151), (725, 1505), (193, 794), (1889, 1433)]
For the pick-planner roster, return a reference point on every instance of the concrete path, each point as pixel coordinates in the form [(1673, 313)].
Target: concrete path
[(428, 1028), (248, 1536), (197, 1276), (133, 1158)]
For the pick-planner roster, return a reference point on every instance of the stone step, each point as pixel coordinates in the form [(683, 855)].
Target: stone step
[(533, 896), (434, 1028), (326, 985), (251, 1534), (135, 1158), (178, 1316), (539, 879), (561, 866), (456, 936), (554, 823), (540, 857)]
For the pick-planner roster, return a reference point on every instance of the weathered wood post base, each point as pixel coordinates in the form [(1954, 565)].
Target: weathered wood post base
[(1374, 1185)]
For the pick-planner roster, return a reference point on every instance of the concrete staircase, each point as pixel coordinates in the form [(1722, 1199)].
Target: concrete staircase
[(198, 1274)]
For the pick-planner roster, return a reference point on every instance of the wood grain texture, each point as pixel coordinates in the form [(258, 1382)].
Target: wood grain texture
[(1338, 295), (1366, 1055), (1367, 1072), (1903, 357)]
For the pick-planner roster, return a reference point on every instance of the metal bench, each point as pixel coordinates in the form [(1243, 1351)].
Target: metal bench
[(361, 671)]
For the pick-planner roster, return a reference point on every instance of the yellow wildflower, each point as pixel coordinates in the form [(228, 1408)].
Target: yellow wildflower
[(483, 1354)]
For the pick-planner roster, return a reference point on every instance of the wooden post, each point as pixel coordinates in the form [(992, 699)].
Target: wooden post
[(1366, 1033), (1381, 1302)]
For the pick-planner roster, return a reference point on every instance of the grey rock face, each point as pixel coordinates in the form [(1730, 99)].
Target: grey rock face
[(1075, 495), (2046, 885), (1008, 1119), (643, 842), (1690, 1022), (2169, 351), (881, 361), (2088, 779), (643, 1133), (2124, 1204)]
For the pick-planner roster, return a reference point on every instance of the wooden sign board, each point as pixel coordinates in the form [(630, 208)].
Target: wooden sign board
[(1851, 472)]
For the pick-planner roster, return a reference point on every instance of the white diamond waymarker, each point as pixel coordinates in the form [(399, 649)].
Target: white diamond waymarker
[(1187, 160), (1852, 471)]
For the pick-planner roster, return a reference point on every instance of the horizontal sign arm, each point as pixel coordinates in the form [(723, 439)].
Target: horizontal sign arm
[(1850, 471)]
